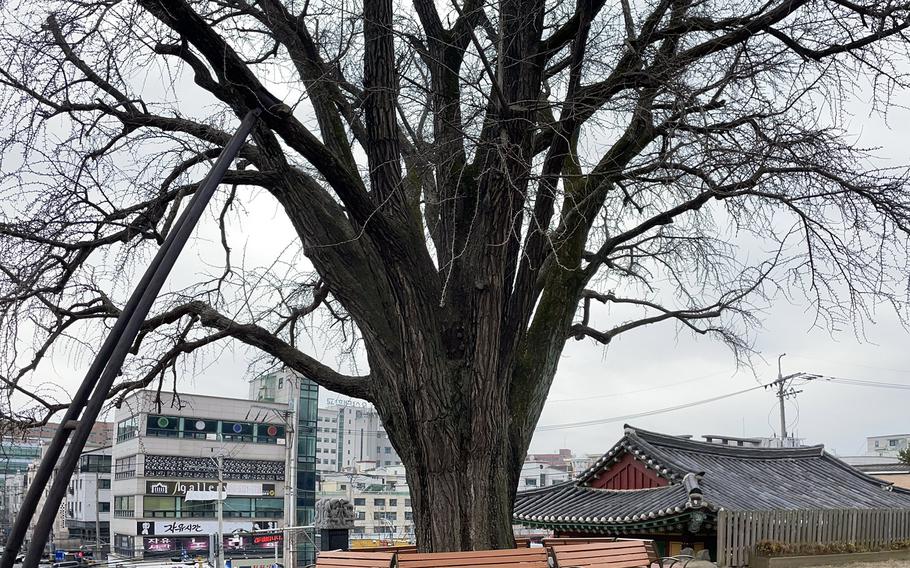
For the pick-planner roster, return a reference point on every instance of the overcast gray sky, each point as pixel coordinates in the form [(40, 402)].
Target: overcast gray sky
[(654, 367)]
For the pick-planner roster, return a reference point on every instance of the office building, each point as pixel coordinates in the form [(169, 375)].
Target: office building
[(88, 501), (889, 445), (168, 455), (348, 432), (300, 396)]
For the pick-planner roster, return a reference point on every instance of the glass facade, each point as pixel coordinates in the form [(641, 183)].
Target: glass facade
[(308, 406), (211, 429)]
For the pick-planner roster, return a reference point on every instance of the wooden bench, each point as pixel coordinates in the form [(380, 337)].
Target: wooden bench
[(345, 559), (399, 548), (412, 548), (618, 554), (560, 541), (508, 558)]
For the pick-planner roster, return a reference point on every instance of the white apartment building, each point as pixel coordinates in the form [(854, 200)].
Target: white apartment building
[(381, 500), (348, 432), (535, 475), (887, 445), (88, 500), (165, 469)]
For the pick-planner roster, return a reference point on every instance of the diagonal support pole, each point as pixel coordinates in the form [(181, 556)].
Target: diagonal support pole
[(106, 367)]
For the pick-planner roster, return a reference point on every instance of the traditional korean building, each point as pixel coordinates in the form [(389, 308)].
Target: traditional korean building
[(670, 489)]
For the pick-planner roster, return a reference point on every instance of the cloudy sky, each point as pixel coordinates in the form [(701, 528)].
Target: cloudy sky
[(658, 367), (655, 367)]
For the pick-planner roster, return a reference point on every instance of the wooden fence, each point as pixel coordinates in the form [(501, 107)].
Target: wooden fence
[(739, 531)]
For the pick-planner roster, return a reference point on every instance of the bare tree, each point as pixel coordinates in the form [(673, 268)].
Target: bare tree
[(466, 180)]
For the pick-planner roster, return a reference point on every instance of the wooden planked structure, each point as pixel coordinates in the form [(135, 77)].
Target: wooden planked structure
[(618, 554), (739, 531), (509, 558), (399, 548), (412, 548), (353, 559)]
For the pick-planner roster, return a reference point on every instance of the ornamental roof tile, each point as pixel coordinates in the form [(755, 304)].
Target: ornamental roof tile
[(716, 476)]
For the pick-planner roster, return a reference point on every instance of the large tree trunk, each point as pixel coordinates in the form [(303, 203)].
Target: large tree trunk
[(453, 432), (462, 500)]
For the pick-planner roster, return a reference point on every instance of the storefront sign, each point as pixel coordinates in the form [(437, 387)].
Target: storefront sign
[(250, 541), (347, 402), (193, 544), (181, 488), (267, 540), (188, 527)]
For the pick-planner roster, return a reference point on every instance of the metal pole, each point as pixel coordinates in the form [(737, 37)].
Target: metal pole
[(97, 519), (290, 480), (142, 300), (220, 513), (780, 397)]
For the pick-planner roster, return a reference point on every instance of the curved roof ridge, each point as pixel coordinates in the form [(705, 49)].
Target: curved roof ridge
[(658, 439), (648, 448), (886, 485), (672, 486), (546, 489)]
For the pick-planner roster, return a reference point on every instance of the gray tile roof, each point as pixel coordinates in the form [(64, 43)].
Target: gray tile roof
[(719, 476), (884, 468)]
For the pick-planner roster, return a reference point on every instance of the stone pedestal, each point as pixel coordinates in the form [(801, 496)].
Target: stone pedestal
[(334, 521)]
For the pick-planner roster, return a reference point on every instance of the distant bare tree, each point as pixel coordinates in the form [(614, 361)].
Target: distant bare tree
[(466, 179)]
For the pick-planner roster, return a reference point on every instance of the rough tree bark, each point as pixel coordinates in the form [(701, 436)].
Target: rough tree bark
[(467, 182)]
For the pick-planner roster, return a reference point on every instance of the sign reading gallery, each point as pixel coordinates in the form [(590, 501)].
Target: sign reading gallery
[(181, 488)]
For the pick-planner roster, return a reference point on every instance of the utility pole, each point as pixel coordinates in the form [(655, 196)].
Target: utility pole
[(784, 391), (220, 512), (97, 518), (780, 397), (289, 417), (219, 538)]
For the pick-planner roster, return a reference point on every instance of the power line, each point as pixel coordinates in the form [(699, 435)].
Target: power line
[(596, 422), (637, 391), (864, 383)]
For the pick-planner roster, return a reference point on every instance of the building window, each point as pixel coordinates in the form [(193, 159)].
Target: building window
[(128, 428), (269, 507), (125, 467), (162, 426), (123, 545), (387, 450), (530, 482), (385, 516), (123, 506), (360, 502), (200, 429), (407, 502), (157, 507), (269, 433), (237, 431), (104, 506), (361, 516), (94, 463), (104, 483), (408, 516), (892, 443), (393, 502), (379, 502)]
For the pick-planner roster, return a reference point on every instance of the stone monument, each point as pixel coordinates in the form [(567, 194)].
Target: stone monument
[(334, 521)]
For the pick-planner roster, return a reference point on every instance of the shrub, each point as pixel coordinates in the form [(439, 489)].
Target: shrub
[(777, 548)]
